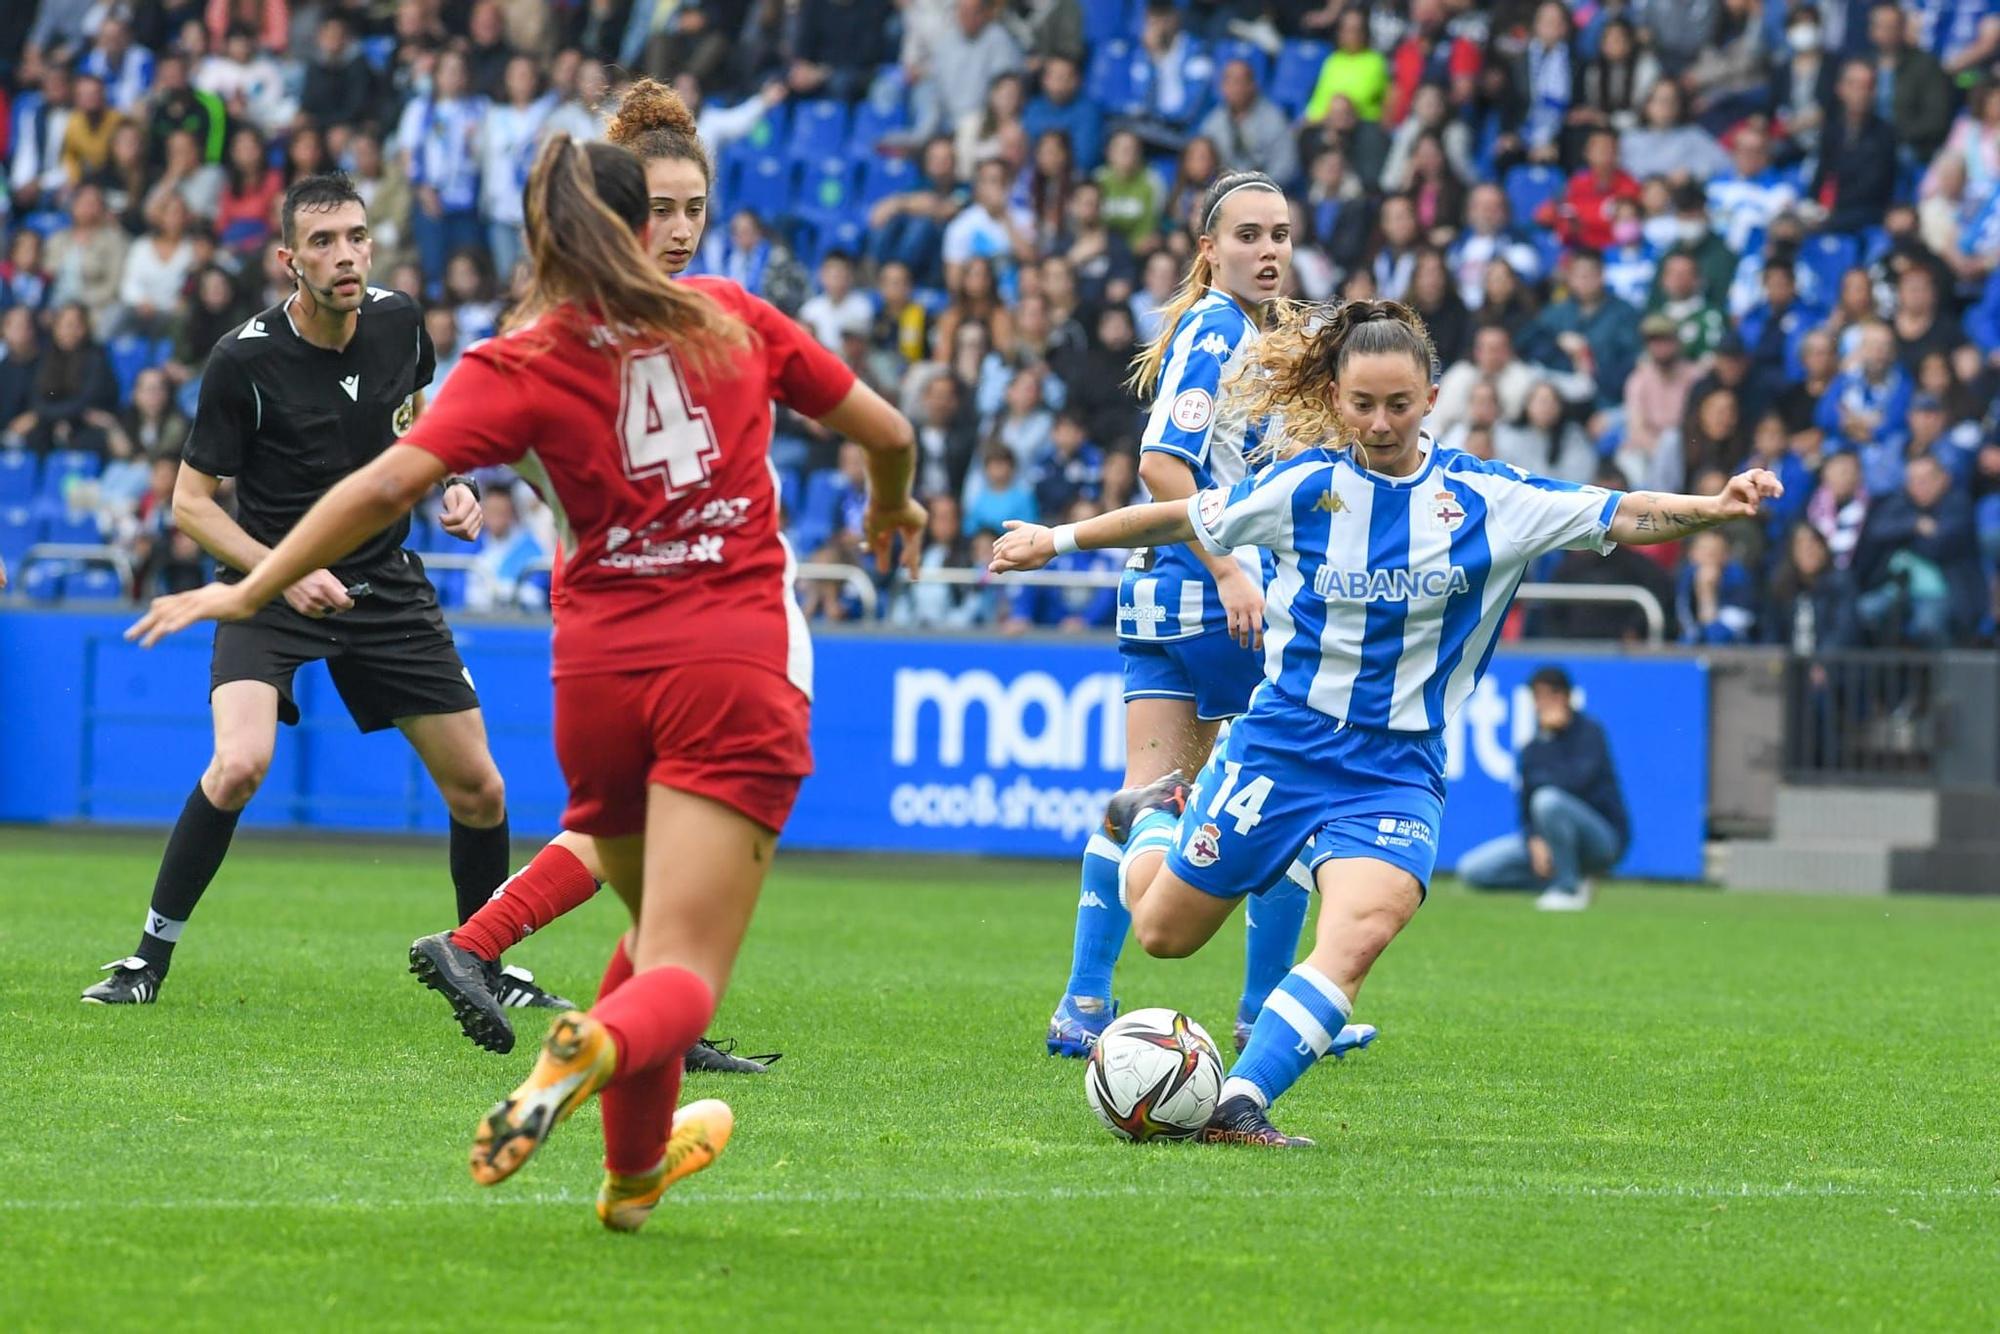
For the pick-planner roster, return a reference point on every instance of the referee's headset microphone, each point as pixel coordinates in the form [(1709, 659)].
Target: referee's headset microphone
[(322, 294)]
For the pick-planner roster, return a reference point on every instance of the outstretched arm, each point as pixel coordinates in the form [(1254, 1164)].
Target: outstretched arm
[(1647, 517), (1030, 546)]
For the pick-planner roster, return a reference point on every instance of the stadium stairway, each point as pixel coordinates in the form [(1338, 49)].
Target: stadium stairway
[(1874, 840)]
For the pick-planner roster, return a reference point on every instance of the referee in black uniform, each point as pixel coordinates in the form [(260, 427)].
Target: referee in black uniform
[(292, 402)]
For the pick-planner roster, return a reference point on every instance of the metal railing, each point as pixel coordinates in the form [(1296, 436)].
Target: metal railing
[(1871, 717), (80, 553)]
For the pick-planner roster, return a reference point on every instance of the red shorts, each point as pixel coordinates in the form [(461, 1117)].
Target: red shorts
[(733, 733)]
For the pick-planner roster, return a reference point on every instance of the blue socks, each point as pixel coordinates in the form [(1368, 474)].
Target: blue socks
[(1295, 1029), (1271, 941), (1101, 921)]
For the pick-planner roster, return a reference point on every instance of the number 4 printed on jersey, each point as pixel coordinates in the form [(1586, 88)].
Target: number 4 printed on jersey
[(1247, 806), (665, 434)]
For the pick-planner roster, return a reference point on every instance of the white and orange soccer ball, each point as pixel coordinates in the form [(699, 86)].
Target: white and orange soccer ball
[(1154, 1074)]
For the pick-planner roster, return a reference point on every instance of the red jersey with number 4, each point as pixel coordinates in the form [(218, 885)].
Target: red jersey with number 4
[(661, 482)]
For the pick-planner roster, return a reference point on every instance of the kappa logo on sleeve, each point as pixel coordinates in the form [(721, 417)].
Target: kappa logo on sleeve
[(1192, 409)]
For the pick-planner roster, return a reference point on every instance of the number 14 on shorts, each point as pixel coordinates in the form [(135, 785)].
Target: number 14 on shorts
[(1234, 798)]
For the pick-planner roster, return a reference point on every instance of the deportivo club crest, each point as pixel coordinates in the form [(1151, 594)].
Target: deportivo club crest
[(1446, 509)]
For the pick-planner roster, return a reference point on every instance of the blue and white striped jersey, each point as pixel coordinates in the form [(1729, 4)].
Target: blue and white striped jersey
[(1167, 593), (1387, 594)]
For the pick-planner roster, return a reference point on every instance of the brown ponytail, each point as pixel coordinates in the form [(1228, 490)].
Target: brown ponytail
[(585, 206), (1292, 377), (1145, 376)]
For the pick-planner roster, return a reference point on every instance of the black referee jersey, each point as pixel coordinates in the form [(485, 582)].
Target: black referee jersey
[(288, 420)]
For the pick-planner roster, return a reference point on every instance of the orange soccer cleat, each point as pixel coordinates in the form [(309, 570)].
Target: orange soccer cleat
[(577, 1059), (700, 1133)]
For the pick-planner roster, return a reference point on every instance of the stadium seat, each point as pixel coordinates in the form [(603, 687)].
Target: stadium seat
[(826, 185), (1829, 255), (18, 472), (819, 129), (1106, 20), (820, 232), (1247, 52), (884, 176), (1109, 81), (872, 124), (1530, 187), (1291, 85), (764, 186), (378, 52), (814, 521), (43, 581), (20, 528), (450, 585), (92, 583), (67, 466), (76, 527), (788, 490), (129, 355)]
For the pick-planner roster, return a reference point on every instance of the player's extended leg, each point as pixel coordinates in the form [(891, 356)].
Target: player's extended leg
[(1272, 924), (453, 748), (1161, 736), (1364, 903), (245, 717)]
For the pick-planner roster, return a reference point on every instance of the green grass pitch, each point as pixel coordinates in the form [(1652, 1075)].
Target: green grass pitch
[(1678, 1110)]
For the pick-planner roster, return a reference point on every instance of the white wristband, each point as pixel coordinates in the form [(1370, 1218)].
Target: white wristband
[(1063, 535)]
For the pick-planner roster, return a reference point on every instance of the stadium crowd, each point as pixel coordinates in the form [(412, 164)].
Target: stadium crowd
[(1655, 242)]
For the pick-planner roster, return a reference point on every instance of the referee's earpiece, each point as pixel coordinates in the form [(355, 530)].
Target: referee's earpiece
[(323, 293)]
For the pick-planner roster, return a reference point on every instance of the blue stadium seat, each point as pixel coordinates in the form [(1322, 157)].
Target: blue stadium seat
[(1829, 255), (819, 129), (884, 176), (78, 527), (1247, 52), (764, 186), (20, 528), (1109, 80), (378, 52), (1105, 20), (826, 185), (18, 473), (768, 134), (43, 581), (1530, 187), (93, 583), (788, 490), (1291, 85), (813, 523), (129, 355), (847, 232), (871, 125), (450, 585), (65, 466)]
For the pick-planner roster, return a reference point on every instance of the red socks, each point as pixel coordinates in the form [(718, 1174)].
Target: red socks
[(546, 888), (654, 1017)]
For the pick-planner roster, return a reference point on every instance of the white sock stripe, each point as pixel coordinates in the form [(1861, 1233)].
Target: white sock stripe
[(163, 928), (1158, 842), (1100, 846), (1238, 1087), (1301, 875), (1321, 983), (1289, 1009)]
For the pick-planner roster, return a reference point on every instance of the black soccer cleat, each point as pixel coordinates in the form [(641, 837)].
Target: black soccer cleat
[(1239, 1120), (717, 1056), (133, 981), (465, 980), (518, 990), (1168, 793)]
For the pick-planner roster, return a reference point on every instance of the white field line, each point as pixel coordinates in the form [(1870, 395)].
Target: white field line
[(1788, 1190)]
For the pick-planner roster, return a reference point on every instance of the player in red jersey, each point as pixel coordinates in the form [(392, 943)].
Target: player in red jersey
[(640, 408), (463, 965)]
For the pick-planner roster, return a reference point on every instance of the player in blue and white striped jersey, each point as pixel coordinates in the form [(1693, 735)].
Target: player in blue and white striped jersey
[(1188, 619), (1394, 563)]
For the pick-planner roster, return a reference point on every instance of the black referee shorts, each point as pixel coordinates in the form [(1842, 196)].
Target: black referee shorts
[(391, 657)]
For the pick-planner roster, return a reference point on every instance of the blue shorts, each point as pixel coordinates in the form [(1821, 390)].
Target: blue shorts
[(1213, 670), (1289, 778)]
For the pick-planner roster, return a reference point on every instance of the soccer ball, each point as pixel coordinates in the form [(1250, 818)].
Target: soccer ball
[(1154, 1074)]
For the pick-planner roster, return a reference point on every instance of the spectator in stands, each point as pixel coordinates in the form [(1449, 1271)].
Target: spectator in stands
[(509, 135), (1392, 259), (1249, 131), (1810, 606), (216, 308), (1050, 186), (1543, 77), (1095, 379), (441, 323), (1614, 83), (975, 298), (87, 259), (1429, 114), (947, 438), (20, 366), (1716, 434), (1608, 327), (1546, 441), (198, 183), (745, 254), (991, 227), (931, 604), (1774, 329), (245, 216), (1023, 424), (979, 136), (1572, 811), (1918, 93), (837, 47), (1853, 310), (441, 137), (1504, 299), (1803, 83), (1715, 599), (1771, 449), (1918, 563), (998, 492), (1973, 148), (498, 580), (1488, 235), (1920, 324), (1730, 78), (24, 277), (580, 114), (1431, 53), (157, 267), (837, 304), (902, 326), (1198, 165), (1160, 280), (1666, 145), (1866, 407), (1353, 70), (1630, 265), (1060, 105), (1133, 193), (1480, 420), (908, 228), (153, 427), (86, 141), (1097, 255), (1839, 506), (1040, 606), (1680, 299), (1656, 397), (123, 178), (339, 86), (74, 390), (1856, 176), (1743, 200), (175, 107), (1070, 468), (1493, 362), (1434, 296), (249, 83), (1582, 216), (966, 56)]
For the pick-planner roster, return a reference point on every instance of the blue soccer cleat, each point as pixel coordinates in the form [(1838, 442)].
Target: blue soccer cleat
[(1353, 1037), (1077, 1024)]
